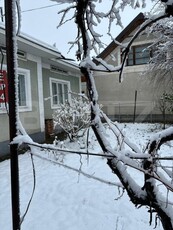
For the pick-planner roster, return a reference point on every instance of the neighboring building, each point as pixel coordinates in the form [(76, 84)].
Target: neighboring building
[(136, 98), (45, 78)]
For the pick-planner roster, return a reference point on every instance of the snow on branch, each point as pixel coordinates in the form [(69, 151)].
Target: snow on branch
[(160, 138), (103, 66), (118, 132), (93, 16)]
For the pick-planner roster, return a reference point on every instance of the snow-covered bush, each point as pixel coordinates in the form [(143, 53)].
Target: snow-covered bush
[(73, 116)]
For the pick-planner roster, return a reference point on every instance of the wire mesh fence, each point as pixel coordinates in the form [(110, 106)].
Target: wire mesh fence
[(136, 112)]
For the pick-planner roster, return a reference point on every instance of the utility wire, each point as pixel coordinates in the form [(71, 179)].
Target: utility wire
[(33, 9), (40, 8)]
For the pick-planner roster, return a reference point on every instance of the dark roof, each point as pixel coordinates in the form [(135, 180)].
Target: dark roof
[(138, 20)]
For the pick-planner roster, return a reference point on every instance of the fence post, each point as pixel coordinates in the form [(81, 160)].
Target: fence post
[(134, 115), (119, 110)]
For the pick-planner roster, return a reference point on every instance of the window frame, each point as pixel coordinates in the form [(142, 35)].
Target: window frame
[(28, 106), (134, 53), (63, 83), (27, 78)]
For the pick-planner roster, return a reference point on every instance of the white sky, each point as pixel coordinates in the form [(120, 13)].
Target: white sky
[(41, 23)]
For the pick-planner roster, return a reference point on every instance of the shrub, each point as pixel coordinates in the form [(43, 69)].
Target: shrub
[(73, 116)]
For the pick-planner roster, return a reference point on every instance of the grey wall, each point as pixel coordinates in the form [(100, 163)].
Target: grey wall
[(118, 99)]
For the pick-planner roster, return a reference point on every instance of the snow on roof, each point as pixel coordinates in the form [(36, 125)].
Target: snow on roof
[(39, 42), (41, 45), (33, 40)]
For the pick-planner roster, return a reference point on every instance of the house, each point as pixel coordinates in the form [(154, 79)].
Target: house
[(45, 78), (137, 98)]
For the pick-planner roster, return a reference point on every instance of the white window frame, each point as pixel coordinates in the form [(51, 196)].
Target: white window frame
[(58, 81), (26, 74), (28, 106)]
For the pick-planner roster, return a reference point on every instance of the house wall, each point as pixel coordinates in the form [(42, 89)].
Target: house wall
[(32, 56), (30, 119), (4, 127), (134, 96)]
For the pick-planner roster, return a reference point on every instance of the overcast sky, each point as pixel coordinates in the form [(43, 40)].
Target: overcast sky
[(41, 23)]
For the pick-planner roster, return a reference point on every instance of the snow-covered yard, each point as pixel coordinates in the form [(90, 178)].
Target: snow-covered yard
[(65, 199)]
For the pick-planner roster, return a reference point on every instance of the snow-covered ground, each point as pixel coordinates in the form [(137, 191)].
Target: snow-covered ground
[(65, 199)]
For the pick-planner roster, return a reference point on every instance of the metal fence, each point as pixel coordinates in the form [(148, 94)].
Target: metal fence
[(136, 112)]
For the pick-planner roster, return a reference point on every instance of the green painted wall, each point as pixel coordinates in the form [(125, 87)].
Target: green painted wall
[(4, 127), (30, 120)]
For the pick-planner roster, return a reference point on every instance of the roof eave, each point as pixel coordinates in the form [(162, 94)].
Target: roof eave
[(138, 20)]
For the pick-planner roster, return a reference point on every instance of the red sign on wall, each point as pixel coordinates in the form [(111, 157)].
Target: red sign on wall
[(3, 87)]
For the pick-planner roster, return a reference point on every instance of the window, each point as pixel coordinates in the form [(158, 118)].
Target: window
[(24, 90), (59, 92), (138, 55)]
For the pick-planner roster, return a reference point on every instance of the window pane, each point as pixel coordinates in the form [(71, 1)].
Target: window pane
[(146, 55), (138, 55), (130, 62), (66, 92), (22, 90), (130, 56), (54, 93), (142, 56), (142, 61), (139, 48), (60, 93)]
